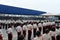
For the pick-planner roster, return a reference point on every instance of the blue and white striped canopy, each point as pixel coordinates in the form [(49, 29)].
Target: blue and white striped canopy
[(18, 11)]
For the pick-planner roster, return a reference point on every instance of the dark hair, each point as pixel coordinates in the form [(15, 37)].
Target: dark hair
[(9, 26), (38, 33), (47, 31), (53, 29), (57, 27), (21, 37)]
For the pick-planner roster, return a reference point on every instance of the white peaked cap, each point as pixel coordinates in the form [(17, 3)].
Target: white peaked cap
[(34, 25), (0, 31), (24, 21), (31, 20), (28, 21), (52, 23), (24, 25), (37, 21), (48, 23), (40, 25), (29, 25), (44, 24), (21, 22)]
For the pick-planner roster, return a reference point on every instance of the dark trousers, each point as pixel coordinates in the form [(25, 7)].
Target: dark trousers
[(9, 36), (29, 34), (53, 38), (24, 33), (21, 37), (58, 37), (40, 29), (19, 33), (44, 29), (1, 38), (34, 32)]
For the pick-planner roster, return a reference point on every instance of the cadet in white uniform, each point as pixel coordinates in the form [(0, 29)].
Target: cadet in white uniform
[(46, 36), (40, 26), (29, 31), (9, 32), (34, 29), (24, 30), (57, 34), (38, 37), (44, 27), (48, 25), (52, 32), (1, 37), (53, 35), (19, 31)]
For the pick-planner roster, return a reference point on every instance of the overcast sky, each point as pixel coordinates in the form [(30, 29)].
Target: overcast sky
[(51, 6)]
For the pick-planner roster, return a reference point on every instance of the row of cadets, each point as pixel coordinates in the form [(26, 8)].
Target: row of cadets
[(34, 29), (38, 37), (40, 26), (57, 34), (38, 31), (19, 31), (24, 30), (46, 35), (9, 32), (1, 36), (44, 27), (52, 31), (30, 27), (49, 25)]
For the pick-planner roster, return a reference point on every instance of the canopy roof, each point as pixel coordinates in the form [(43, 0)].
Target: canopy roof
[(18, 11)]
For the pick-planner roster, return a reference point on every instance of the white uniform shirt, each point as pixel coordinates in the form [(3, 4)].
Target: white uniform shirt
[(44, 24), (38, 38), (51, 33), (29, 27), (19, 29), (46, 37), (24, 27), (1, 32), (57, 32), (9, 30), (34, 25), (39, 25)]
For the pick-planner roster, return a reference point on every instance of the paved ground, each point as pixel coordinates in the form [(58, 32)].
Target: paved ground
[(5, 37)]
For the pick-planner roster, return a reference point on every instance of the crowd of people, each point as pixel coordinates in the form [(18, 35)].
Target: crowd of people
[(39, 30)]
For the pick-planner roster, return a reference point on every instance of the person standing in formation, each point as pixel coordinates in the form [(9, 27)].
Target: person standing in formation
[(49, 25), (24, 30), (40, 28), (9, 32), (46, 36), (19, 31), (38, 37), (52, 31), (29, 31), (1, 37), (34, 29), (44, 28), (58, 34)]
